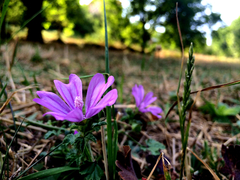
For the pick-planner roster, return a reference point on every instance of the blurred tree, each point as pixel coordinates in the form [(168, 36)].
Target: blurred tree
[(115, 21), (3, 28), (13, 17), (219, 42), (226, 40), (35, 25), (140, 8), (69, 17), (191, 14), (15, 13)]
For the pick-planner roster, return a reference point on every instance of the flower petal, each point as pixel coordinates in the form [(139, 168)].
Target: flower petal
[(96, 89), (154, 110), (108, 100), (138, 93), (149, 99), (58, 116), (75, 115), (52, 102), (70, 91)]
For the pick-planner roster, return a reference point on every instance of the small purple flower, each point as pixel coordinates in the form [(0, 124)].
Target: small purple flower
[(138, 93), (72, 95)]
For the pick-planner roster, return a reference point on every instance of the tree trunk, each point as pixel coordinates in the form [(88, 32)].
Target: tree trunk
[(3, 30), (35, 25), (145, 36)]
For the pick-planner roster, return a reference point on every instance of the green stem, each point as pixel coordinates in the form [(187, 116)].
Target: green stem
[(184, 147), (184, 105), (88, 152), (108, 108)]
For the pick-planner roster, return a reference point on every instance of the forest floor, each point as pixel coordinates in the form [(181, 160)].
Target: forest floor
[(214, 117)]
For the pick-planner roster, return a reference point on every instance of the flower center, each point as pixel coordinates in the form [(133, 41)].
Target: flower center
[(78, 102)]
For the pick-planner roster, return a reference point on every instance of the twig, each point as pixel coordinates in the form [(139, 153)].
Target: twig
[(210, 170), (173, 152), (24, 125), (37, 155), (159, 157), (104, 152)]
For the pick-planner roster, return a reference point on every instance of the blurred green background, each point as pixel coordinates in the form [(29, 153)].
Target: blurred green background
[(137, 24)]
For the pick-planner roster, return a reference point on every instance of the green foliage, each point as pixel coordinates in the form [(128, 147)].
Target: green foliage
[(131, 34), (15, 12), (117, 24), (191, 15), (91, 171), (221, 112), (68, 17), (226, 40), (132, 120), (153, 147), (210, 156), (36, 58)]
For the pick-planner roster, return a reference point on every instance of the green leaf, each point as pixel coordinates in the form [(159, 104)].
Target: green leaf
[(238, 123), (74, 126), (38, 166), (50, 133), (49, 172), (154, 146), (96, 126), (92, 171), (70, 138), (136, 127), (225, 110), (101, 123), (90, 137)]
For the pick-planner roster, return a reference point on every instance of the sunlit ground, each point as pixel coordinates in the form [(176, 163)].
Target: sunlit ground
[(49, 36)]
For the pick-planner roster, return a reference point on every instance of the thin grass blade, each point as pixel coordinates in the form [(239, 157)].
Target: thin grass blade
[(3, 89), (4, 11), (6, 155), (209, 169), (38, 160), (49, 172)]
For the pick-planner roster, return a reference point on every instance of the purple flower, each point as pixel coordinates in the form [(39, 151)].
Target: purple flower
[(71, 93), (138, 93)]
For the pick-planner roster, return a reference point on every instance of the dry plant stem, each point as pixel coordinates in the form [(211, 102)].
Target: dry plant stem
[(180, 36), (9, 74), (159, 157), (210, 170), (48, 149), (22, 160), (104, 152), (166, 169), (37, 155), (9, 99), (19, 107), (173, 152), (187, 167), (24, 125), (234, 138)]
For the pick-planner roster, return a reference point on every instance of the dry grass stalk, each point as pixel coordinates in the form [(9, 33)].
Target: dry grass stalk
[(159, 157), (205, 164)]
